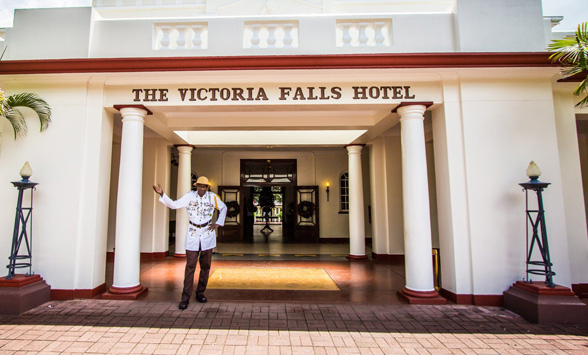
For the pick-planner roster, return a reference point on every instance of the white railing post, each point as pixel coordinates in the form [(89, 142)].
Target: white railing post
[(181, 41), (288, 35), (255, 36), (363, 38), (164, 42), (197, 39)]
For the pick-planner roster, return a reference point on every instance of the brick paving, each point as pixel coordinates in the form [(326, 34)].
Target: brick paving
[(227, 328)]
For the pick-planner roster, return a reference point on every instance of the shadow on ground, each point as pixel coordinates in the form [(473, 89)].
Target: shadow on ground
[(455, 319)]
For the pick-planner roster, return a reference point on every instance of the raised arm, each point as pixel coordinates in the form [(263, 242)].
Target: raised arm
[(174, 205)]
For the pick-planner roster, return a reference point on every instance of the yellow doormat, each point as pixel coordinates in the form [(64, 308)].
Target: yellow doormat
[(259, 278)]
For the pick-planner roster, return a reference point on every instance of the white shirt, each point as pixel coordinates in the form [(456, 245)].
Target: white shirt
[(200, 211)]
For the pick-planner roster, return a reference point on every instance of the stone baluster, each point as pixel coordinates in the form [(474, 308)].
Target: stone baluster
[(288, 27), (181, 41), (380, 38), (255, 36), (271, 35), (197, 39), (363, 37), (346, 34), (164, 42)]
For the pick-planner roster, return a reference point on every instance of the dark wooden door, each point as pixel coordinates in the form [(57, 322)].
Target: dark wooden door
[(248, 214), (233, 228), (306, 228), (288, 213)]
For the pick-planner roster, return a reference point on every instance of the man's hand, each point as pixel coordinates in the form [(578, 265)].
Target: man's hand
[(213, 227), (158, 189)]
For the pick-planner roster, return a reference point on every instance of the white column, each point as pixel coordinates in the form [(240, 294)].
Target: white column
[(356, 208), (128, 209), (184, 185), (415, 195)]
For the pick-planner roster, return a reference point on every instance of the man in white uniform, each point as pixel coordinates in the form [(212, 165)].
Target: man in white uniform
[(201, 235)]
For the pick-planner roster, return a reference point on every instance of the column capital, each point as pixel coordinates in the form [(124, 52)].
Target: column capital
[(138, 107), (427, 104), (354, 148), (412, 112), (184, 148)]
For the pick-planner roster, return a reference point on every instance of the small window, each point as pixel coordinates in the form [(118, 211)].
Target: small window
[(344, 192)]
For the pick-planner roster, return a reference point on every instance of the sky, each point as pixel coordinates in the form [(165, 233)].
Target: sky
[(574, 11)]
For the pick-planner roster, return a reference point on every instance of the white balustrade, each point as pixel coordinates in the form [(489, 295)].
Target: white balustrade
[(275, 34), (364, 33), (180, 36)]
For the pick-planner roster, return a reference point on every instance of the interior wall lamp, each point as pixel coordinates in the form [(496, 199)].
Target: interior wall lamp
[(328, 185)]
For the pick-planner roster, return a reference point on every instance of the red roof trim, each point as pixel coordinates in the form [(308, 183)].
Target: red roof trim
[(342, 61)]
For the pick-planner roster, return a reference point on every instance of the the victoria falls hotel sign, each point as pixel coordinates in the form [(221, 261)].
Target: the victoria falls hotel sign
[(281, 93)]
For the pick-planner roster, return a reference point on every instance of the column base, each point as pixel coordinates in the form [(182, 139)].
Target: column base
[(125, 293), (179, 255), (421, 297), (22, 293), (545, 305), (351, 257)]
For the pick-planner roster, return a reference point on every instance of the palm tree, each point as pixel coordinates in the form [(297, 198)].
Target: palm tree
[(572, 51), (9, 108)]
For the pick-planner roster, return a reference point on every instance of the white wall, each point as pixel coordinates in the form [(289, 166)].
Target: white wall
[(386, 195), (429, 149), (50, 33), (154, 215), (71, 163), (583, 150), (113, 195), (506, 123), (329, 166), (209, 163), (571, 177), (499, 26), (452, 190)]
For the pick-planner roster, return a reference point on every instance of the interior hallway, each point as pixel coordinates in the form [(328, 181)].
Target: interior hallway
[(271, 244)]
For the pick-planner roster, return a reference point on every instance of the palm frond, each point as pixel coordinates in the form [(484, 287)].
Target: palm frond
[(567, 72), (583, 103), (582, 32), (582, 89), (572, 52), (17, 121), (34, 102)]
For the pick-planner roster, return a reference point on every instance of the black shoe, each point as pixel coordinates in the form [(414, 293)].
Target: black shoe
[(183, 304), (201, 298)]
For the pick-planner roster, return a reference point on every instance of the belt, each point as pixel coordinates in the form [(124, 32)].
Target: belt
[(199, 225)]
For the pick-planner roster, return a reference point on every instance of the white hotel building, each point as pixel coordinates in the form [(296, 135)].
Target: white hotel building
[(422, 115)]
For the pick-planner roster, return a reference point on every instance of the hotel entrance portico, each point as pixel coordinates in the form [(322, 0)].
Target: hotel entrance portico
[(325, 129)]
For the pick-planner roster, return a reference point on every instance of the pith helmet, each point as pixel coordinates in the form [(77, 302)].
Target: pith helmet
[(203, 180)]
